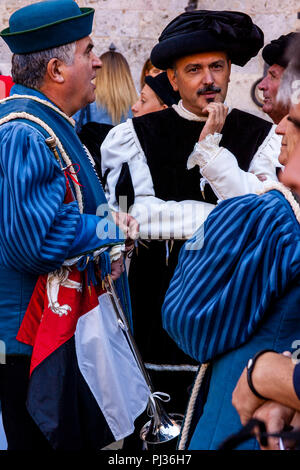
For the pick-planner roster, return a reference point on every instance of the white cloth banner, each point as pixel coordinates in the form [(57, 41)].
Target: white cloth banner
[(110, 369)]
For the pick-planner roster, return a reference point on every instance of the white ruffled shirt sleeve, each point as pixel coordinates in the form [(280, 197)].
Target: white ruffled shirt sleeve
[(158, 219), (220, 167)]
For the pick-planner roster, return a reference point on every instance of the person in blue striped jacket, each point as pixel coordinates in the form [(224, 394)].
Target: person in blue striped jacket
[(269, 387), (235, 294), (48, 212)]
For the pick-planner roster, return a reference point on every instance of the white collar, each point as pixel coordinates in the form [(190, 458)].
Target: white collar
[(183, 112)]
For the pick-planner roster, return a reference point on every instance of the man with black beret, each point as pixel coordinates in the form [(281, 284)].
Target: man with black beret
[(157, 157), (50, 194), (274, 54)]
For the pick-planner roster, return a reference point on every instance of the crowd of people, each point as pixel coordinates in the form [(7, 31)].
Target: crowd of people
[(173, 208)]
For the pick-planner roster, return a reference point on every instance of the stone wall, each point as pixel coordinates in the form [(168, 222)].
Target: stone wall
[(132, 25), (135, 25)]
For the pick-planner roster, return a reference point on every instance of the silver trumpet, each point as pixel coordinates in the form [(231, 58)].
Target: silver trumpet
[(161, 427)]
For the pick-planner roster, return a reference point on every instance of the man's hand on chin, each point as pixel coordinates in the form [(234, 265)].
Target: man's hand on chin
[(217, 113)]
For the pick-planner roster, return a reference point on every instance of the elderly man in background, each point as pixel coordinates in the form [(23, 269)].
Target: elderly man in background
[(274, 54), (48, 216)]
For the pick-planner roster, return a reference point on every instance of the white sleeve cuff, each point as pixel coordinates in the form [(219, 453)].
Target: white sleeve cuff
[(205, 151), (116, 252), (165, 220)]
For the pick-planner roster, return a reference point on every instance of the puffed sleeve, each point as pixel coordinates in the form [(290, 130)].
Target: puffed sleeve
[(265, 161), (220, 167), (120, 146), (158, 219), (38, 231)]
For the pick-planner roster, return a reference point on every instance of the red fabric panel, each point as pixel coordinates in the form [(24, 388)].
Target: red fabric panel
[(54, 309)]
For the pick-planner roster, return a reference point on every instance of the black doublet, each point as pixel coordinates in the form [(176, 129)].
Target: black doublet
[(167, 140)]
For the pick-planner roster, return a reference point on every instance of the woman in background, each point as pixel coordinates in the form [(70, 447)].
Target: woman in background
[(157, 94), (115, 92)]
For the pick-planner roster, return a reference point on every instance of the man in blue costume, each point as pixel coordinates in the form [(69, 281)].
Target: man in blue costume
[(235, 292), (48, 207), (269, 387)]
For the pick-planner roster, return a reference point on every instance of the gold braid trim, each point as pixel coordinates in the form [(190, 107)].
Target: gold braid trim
[(65, 116), (64, 155), (287, 194), (40, 100)]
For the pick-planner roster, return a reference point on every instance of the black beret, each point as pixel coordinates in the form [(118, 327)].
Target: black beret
[(275, 52), (205, 31), (162, 87)]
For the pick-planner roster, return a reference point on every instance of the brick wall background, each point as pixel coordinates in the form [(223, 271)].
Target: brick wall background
[(135, 25)]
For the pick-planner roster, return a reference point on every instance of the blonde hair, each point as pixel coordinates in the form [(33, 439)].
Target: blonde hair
[(115, 88)]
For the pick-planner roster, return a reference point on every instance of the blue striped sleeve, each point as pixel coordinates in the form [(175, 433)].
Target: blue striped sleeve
[(220, 293), (36, 227), (94, 232)]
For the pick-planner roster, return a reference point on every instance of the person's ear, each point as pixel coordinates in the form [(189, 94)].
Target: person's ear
[(172, 78), (165, 106), (55, 70)]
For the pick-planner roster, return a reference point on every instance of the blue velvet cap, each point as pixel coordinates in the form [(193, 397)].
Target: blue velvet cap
[(47, 24)]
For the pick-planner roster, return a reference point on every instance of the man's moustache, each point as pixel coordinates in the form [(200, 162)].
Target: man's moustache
[(203, 91)]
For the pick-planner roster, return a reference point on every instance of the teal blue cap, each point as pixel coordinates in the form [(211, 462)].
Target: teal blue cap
[(48, 24)]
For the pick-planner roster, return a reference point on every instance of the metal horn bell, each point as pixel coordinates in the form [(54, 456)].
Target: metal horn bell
[(161, 427)]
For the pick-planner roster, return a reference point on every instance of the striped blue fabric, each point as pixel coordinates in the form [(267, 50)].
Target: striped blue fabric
[(220, 293), (36, 227), (37, 230)]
